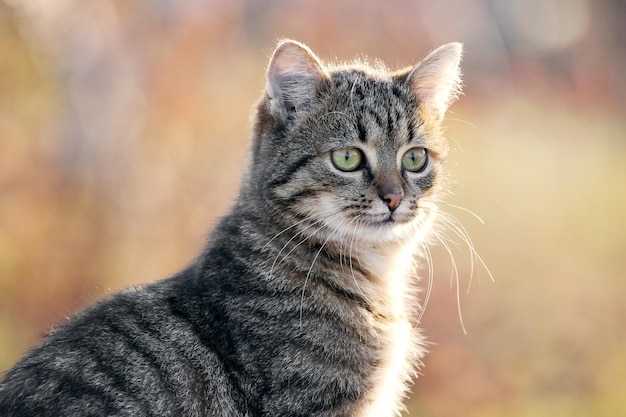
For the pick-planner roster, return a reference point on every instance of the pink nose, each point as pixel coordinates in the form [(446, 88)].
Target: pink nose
[(393, 198)]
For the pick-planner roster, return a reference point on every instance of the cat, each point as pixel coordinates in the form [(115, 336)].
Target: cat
[(304, 301)]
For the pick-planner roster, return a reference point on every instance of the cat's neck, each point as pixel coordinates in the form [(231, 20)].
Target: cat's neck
[(385, 273)]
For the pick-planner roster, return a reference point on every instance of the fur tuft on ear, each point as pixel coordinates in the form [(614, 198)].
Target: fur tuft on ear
[(293, 76), (436, 81)]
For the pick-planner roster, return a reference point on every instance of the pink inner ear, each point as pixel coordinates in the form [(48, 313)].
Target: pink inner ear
[(292, 57), (436, 81), (293, 74), (293, 60)]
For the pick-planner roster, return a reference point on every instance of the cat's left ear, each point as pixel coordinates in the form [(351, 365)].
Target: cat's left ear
[(293, 77), (436, 81)]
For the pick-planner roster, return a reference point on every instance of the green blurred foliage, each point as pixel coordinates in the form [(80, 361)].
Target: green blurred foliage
[(123, 135)]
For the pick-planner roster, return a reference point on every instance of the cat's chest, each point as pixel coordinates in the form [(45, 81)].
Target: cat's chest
[(391, 279), (394, 293)]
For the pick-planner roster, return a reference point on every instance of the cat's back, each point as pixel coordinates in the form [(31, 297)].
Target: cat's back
[(137, 353)]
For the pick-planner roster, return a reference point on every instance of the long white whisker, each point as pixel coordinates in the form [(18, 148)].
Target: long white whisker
[(458, 305), (454, 277), (478, 129), (286, 229), (356, 253), (356, 282), (306, 279), (454, 271), (429, 286), (287, 244), (452, 224), (458, 229), (468, 211), (306, 237), (301, 232)]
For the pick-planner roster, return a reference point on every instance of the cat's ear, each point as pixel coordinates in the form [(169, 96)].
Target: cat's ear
[(293, 77), (436, 81)]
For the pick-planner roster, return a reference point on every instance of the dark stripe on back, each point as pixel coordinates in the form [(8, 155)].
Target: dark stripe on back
[(83, 391)]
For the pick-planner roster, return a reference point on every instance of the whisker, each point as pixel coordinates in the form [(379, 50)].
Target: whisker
[(478, 129), (458, 229), (306, 279), (356, 254), (452, 224), (301, 232), (454, 277), (286, 229), (429, 286), (352, 89), (468, 211), (287, 244), (306, 237), (458, 305), (356, 282), (454, 271)]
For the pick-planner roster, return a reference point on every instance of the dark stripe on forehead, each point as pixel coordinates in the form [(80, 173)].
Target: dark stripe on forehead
[(377, 117), (395, 90), (362, 130), (411, 129), (404, 126), (391, 121)]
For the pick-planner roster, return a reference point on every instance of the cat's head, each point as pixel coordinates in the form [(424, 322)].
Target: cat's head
[(357, 150)]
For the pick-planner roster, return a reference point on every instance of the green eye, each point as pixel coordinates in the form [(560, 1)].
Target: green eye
[(415, 159), (348, 159)]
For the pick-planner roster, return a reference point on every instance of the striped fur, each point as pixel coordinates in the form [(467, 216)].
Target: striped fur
[(305, 301)]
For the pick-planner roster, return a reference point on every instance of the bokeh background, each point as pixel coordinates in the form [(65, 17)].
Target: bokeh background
[(124, 130)]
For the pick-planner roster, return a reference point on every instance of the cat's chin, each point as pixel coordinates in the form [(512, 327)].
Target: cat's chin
[(396, 227), (391, 231)]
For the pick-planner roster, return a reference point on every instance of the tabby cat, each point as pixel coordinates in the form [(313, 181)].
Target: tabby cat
[(304, 301)]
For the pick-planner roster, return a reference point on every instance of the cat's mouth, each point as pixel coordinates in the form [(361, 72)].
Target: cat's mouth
[(390, 219)]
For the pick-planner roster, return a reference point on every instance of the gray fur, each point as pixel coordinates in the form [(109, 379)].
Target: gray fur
[(304, 302)]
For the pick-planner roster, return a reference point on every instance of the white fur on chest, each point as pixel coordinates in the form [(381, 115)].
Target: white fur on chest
[(400, 345)]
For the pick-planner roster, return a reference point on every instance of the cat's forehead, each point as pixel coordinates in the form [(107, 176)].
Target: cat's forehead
[(382, 107), (367, 83)]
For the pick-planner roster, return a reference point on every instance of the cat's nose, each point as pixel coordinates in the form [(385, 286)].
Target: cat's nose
[(392, 198)]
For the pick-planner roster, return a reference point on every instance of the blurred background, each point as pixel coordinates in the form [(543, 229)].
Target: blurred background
[(124, 130)]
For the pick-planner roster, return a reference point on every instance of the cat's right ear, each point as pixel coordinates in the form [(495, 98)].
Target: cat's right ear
[(293, 77), (436, 81)]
